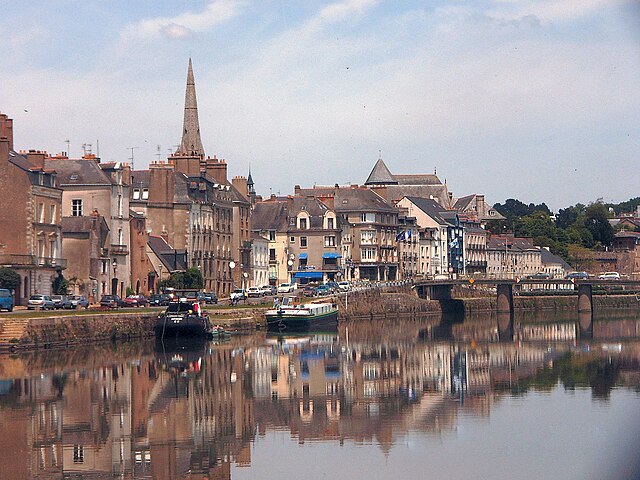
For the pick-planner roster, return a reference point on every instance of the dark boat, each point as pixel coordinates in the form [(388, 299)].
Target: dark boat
[(184, 318)]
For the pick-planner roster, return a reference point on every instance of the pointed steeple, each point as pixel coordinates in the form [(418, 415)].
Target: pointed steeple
[(380, 175), (191, 143)]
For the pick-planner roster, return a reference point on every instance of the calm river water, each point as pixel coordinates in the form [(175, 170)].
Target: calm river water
[(542, 398)]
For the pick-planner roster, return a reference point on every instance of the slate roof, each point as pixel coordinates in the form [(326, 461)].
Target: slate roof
[(380, 174), (269, 216), (78, 172), (171, 259), (360, 200), (420, 179), (430, 207), (549, 258)]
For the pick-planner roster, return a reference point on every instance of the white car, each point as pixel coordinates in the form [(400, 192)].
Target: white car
[(254, 292), (609, 276), (286, 288)]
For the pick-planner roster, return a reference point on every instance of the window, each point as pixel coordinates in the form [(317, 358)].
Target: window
[(105, 267), (41, 213), (368, 217), (145, 193), (368, 236), (52, 248), (120, 205), (368, 253), (136, 194), (330, 222), (292, 239), (52, 213), (76, 208), (272, 254), (303, 241), (329, 241), (272, 235), (120, 242), (303, 224)]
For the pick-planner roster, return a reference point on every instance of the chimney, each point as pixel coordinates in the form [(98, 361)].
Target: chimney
[(4, 153), (6, 129), (240, 184), (480, 206), (296, 190), (216, 169), (161, 182), (36, 157)]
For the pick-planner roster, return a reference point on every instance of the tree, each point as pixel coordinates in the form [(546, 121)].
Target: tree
[(9, 278), (597, 222), (191, 279), (60, 285)]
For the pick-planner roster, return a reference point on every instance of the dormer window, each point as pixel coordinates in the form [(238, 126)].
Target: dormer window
[(136, 194), (303, 224)]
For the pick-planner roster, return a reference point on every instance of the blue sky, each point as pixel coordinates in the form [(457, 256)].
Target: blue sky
[(536, 100)]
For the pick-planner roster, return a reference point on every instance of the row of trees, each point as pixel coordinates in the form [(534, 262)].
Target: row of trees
[(583, 226)]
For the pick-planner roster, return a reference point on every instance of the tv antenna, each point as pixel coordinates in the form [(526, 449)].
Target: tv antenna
[(131, 158), (159, 154), (68, 142)]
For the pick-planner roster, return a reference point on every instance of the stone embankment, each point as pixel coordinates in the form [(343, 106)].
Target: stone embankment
[(38, 332)]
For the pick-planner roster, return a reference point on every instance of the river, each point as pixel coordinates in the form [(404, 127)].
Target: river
[(548, 397)]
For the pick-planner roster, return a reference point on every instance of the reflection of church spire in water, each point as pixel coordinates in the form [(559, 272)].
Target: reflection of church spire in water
[(191, 143)]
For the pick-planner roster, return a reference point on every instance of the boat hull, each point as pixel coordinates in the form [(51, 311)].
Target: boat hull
[(182, 326), (279, 322)]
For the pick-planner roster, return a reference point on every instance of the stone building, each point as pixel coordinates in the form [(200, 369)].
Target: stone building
[(143, 276), (241, 239), (189, 202), (259, 260), (270, 220), (91, 186), (512, 257), (31, 233), (369, 225), (89, 271)]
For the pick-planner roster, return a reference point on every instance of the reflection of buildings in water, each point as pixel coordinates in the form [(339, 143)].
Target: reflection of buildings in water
[(560, 332)]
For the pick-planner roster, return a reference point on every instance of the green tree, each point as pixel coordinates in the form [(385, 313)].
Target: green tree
[(193, 279), (60, 285), (597, 222), (9, 278)]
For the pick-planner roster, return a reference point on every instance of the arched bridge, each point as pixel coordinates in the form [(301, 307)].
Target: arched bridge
[(441, 289)]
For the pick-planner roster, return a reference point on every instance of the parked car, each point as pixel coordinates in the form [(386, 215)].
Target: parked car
[(309, 291), (78, 301), (577, 276), (268, 290), (43, 302), (254, 292), (539, 276), (333, 286), (609, 276), (136, 301), (237, 295), (58, 301), (159, 300), (208, 298), (111, 301), (344, 286), (323, 290), (286, 288), (6, 300)]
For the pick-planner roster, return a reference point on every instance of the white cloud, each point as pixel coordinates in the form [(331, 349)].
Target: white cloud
[(182, 25), (552, 10)]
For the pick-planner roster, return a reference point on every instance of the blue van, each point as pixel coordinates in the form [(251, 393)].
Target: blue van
[(6, 300)]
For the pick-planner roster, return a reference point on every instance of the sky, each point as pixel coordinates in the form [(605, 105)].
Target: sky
[(530, 99)]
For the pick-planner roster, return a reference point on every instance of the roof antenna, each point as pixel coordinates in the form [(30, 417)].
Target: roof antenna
[(379, 154), (158, 154), (132, 149), (435, 170)]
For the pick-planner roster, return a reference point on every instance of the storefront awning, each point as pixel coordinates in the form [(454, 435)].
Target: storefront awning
[(331, 255), (303, 256), (309, 275)]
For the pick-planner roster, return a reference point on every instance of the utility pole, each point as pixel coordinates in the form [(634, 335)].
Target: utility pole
[(131, 158)]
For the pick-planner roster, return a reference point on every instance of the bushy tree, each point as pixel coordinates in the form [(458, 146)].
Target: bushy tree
[(9, 278), (597, 222), (60, 285)]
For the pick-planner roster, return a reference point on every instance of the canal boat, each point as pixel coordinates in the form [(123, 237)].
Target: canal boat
[(287, 315), (184, 318)]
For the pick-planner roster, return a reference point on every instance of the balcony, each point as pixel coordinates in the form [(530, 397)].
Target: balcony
[(32, 261), (119, 249)]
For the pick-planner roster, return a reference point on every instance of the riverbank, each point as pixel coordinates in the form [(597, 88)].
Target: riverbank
[(40, 330)]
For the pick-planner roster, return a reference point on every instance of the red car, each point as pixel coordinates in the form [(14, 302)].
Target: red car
[(136, 301)]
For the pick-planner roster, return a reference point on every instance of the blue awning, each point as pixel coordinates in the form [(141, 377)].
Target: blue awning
[(303, 256), (308, 275), (331, 255)]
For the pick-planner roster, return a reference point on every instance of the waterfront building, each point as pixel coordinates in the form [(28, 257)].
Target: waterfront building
[(476, 206), (408, 243), (259, 260), (241, 238), (90, 271), (92, 186), (31, 233), (626, 246), (512, 257), (143, 276), (369, 225), (433, 231), (553, 265), (270, 220)]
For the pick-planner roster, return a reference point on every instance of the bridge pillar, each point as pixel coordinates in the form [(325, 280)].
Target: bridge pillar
[(505, 326), (505, 297), (441, 292), (585, 298)]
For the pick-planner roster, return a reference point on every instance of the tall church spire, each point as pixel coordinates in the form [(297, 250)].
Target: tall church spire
[(191, 143)]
